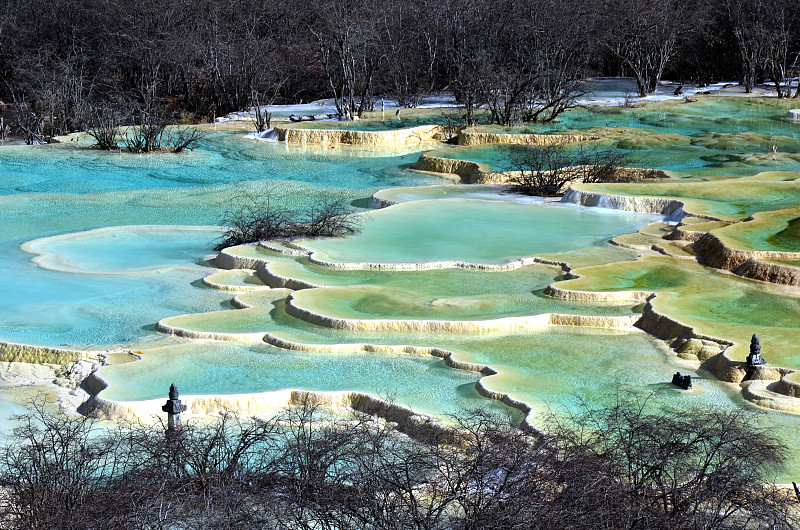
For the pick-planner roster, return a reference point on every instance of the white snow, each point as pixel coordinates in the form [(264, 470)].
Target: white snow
[(603, 92)]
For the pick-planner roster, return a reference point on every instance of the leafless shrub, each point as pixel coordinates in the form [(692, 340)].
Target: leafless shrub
[(261, 118), (307, 468), (147, 135), (30, 123), (598, 165), (104, 128), (700, 469), (544, 170), (180, 138), (330, 216), (52, 467), (153, 135), (267, 217), (629, 100)]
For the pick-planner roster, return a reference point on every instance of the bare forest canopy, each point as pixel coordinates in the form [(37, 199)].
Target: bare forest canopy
[(65, 64)]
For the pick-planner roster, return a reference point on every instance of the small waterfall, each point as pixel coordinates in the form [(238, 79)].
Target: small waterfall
[(674, 215), (671, 209), (571, 196), (604, 201)]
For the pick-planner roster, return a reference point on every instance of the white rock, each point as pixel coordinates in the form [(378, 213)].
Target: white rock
[(793, 114)]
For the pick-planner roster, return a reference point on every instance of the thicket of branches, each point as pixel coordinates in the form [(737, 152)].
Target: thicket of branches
[(545, 170), (63, 61), (269, 216), (621, 467)]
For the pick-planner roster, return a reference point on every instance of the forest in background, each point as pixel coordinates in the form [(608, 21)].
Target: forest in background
[(66, 65)]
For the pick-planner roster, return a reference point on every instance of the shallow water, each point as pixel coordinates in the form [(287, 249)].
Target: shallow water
[(731, 199), (714, 303), (110, 287), (143, 275), (424, 383), (123, 250), (777, 231), (475, 231), (711, 137)]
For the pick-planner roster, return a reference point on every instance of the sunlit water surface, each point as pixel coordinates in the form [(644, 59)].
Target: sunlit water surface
[(102, 288)]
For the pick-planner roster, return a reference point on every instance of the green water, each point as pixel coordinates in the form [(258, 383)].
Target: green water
[(372, 303), (776, 231), (684, 158), (474, 231), (711, 137), (552, 370), (714, 303), (719, 115), (142, 275), (788, 238), (517, 291), (486, 192), (730, 199), (424, 383), (111, 286)]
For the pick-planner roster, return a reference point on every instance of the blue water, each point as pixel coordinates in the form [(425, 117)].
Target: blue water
[(140, 278), (111, 287)]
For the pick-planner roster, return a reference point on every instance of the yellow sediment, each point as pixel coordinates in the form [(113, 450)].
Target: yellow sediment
[(470, 172), (24, 353), (385, 138), (472, 137), (254, 404)]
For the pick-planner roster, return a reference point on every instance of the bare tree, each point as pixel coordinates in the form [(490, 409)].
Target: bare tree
[(685, 466), (52, 467), (782, 47), (644, 35), (347, 46), (29, 122), (268, 216), (411, 37), (545, 170), (559, 59), (751, 37), (310, 468), (104, 128)]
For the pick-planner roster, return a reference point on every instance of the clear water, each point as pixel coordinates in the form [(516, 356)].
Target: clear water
[(732, 199), (707, 115), (771, 231), (424, 383), (110, 287), (711, 137), (439, 293), (475, 231), (121, 250), (143, 275), (487, 192), (714, 303), (224, 159)]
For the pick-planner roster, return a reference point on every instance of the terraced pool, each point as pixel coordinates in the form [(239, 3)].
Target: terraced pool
[(441, 302)]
